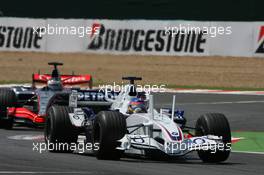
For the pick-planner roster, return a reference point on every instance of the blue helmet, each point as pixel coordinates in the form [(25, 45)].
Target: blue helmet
[(136, 105)]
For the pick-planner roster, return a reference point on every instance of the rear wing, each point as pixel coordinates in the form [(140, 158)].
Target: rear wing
[(66, 79)]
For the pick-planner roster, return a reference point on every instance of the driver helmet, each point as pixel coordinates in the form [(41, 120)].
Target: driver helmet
[(136, 105), (55, 85)]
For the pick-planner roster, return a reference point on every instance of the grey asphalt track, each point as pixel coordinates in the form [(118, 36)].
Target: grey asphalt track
[(243, 111)]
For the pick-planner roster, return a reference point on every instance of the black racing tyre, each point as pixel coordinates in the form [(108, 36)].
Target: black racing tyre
[(7, 123), (109, 126), (7, 99), (218, 125), (59, 133)]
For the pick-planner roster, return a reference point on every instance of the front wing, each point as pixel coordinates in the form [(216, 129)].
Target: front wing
[(179, 148)]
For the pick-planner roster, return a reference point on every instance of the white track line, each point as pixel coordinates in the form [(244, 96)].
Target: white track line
[(248, 152), (187, 91), (222, 103), (208, 91), (27, 137), (10, 85)]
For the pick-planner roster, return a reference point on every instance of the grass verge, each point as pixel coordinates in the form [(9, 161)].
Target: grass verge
[(252, 141)]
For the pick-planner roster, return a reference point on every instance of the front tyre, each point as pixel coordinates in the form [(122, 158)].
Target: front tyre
[(7, 99), (214, 124), (109, 127), (59, 132)]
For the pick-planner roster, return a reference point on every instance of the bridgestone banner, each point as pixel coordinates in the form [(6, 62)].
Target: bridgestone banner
[(146, 38), (136, 37), (16, 34)]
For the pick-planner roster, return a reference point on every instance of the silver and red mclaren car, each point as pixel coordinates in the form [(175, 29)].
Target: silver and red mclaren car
[(27, 105)]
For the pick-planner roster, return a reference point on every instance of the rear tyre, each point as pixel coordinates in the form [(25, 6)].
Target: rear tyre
[(214, 124), (109, 127), (59, 132), (7, 123), (7, 99)]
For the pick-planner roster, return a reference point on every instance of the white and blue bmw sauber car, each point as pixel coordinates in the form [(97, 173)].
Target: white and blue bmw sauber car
[(129, 124)]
